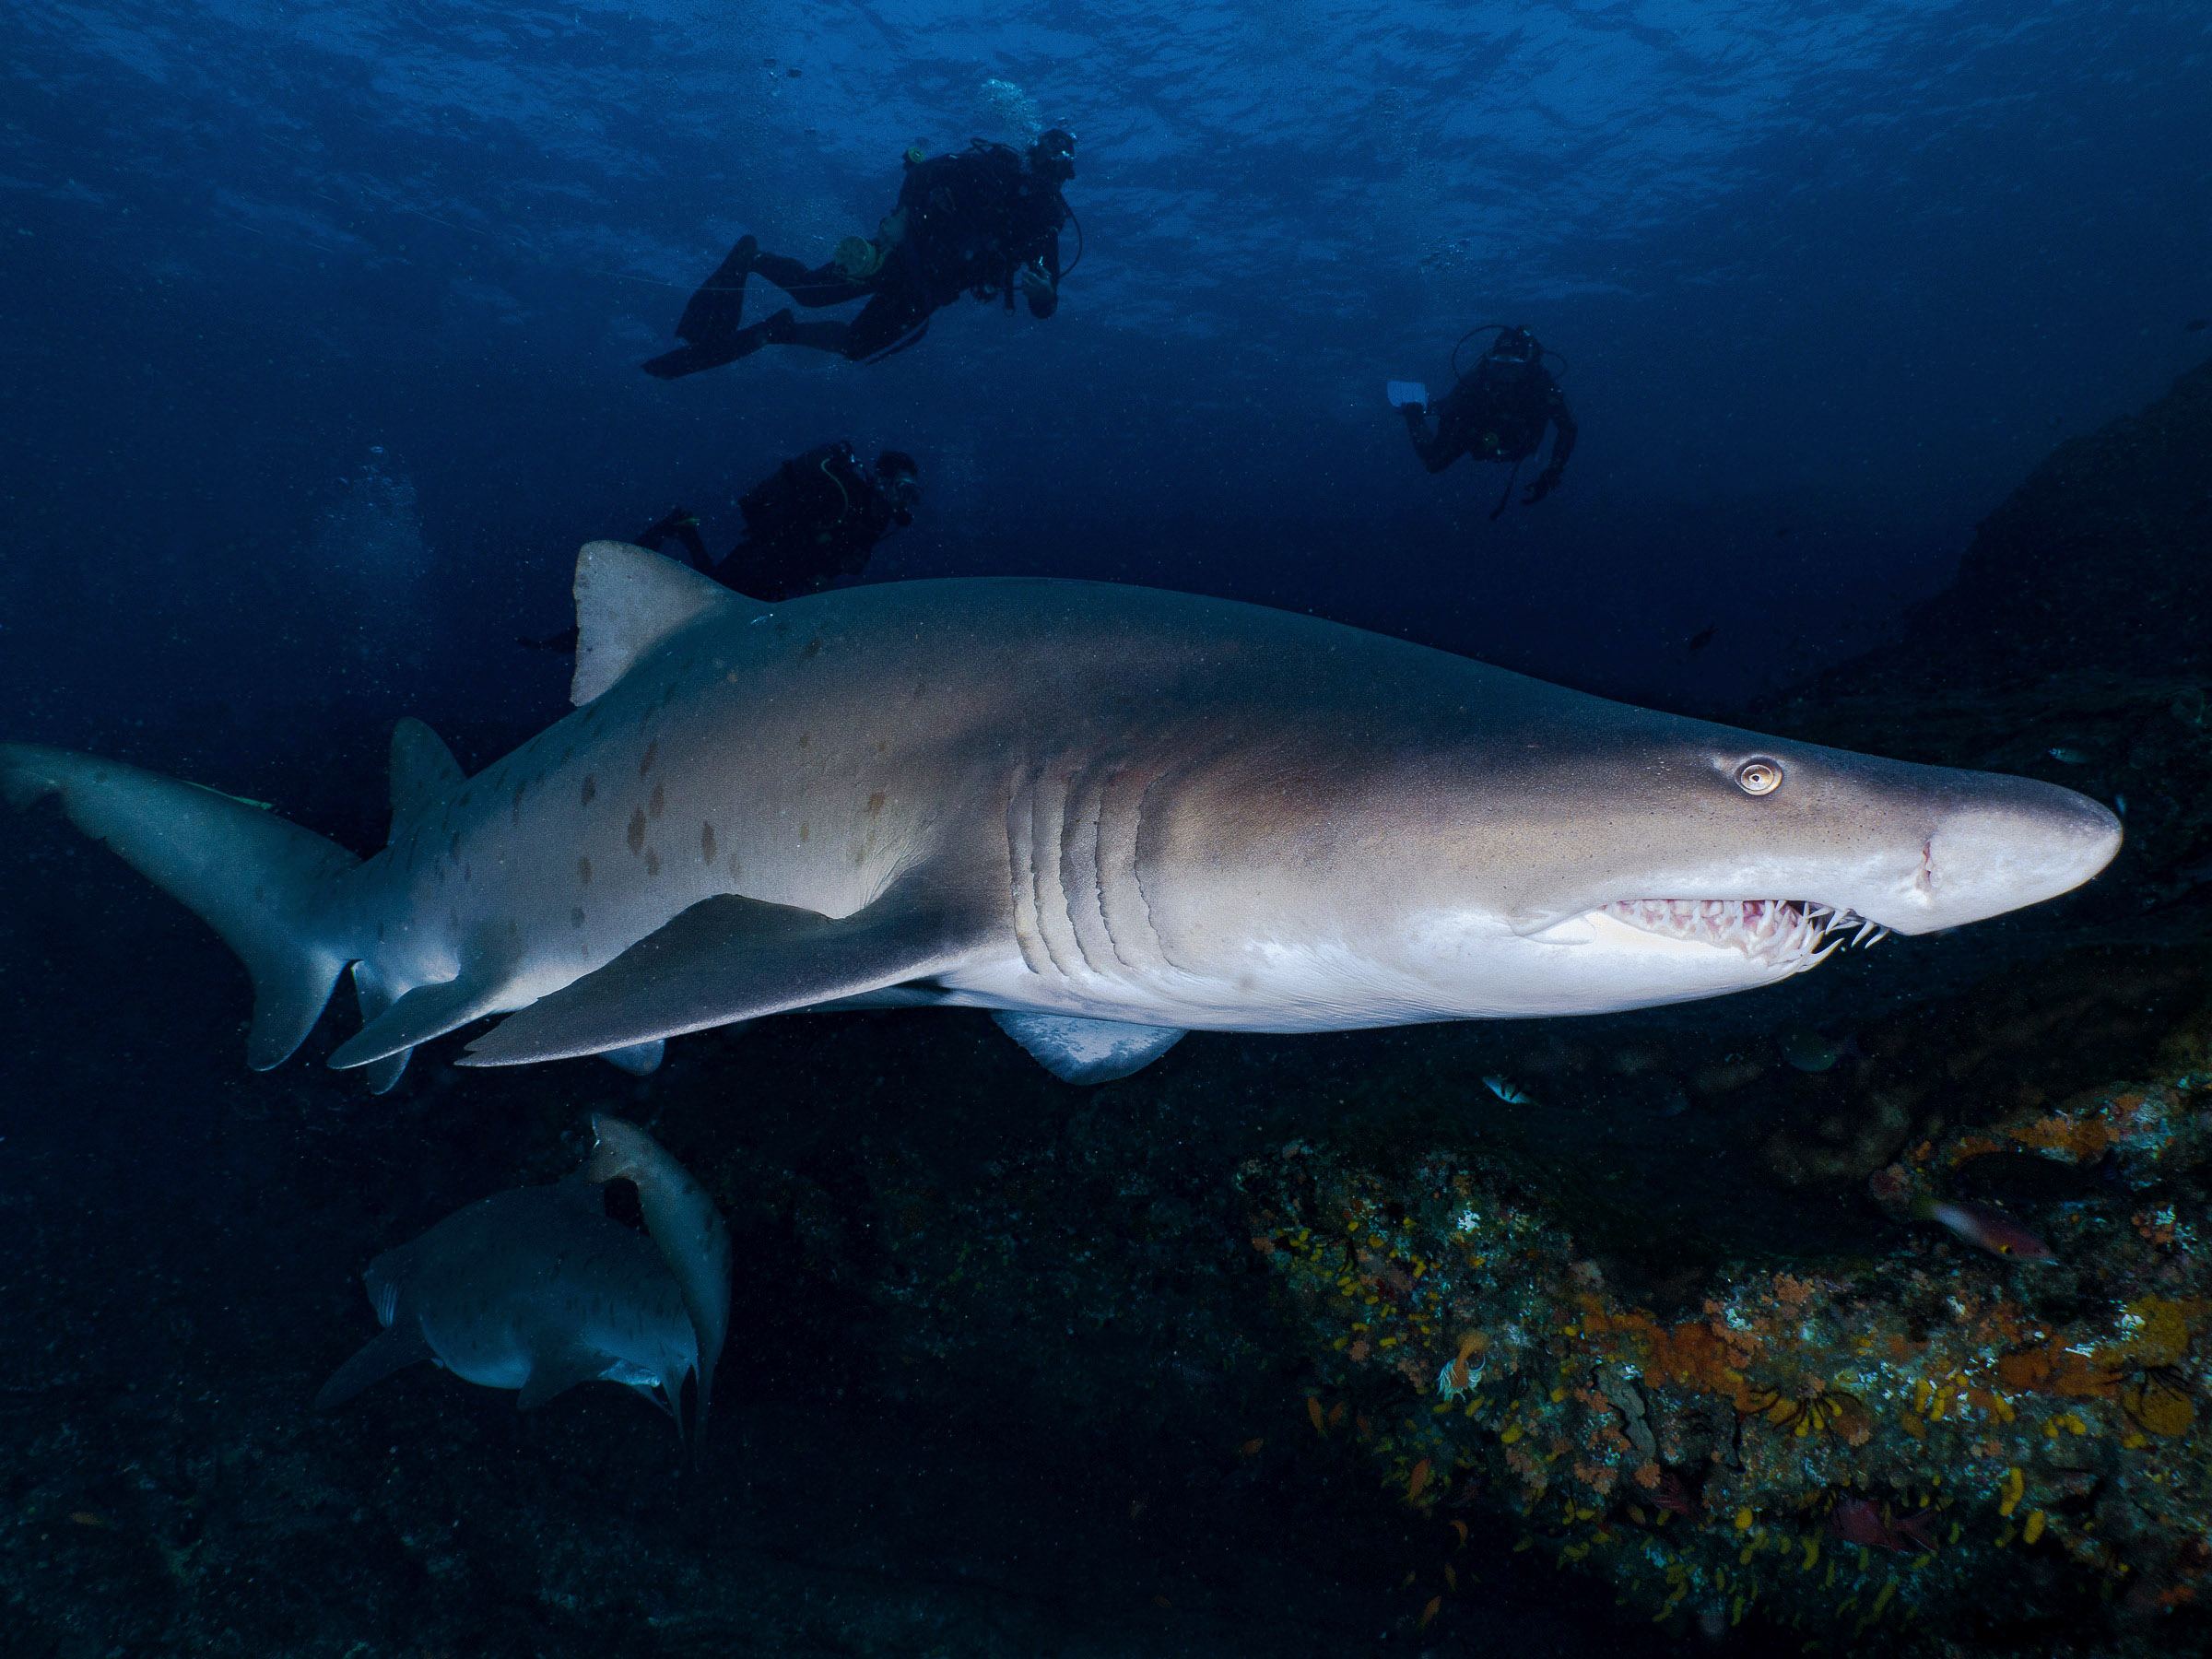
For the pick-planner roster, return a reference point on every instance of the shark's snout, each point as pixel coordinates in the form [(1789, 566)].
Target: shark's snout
[(2032, 843)]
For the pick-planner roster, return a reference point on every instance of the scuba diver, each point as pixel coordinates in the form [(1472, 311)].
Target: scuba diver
[(985, 222), (816, 518), (1497, 411)]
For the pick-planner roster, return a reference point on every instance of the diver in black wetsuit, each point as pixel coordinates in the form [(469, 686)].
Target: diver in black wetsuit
[(985, 222), (816, 518), (1498, 412)]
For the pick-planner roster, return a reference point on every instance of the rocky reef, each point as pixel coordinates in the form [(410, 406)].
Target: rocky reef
[(1835, 1445)]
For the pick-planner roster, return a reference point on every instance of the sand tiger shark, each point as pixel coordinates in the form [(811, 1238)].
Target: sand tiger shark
[(538, 1290), (1111, 814)]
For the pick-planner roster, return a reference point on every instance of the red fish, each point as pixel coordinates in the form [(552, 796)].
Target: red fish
[(1993, 1230)]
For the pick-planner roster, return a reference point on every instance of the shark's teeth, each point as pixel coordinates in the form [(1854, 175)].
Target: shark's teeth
[(1790, 933)]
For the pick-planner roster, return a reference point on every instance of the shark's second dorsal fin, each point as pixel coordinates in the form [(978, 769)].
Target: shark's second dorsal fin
[(628, 601), (423, 772)]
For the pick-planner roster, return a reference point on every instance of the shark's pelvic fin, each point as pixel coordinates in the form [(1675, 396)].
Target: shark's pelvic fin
[(271, 889), (628, 601), (424, 773), (731, 959), (423, 1013), (387, 1351), (1087, 1051), (640, 1059)]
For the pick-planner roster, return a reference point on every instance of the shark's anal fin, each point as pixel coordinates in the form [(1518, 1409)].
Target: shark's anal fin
[(424, 772), (423, 1013), (557, 1365), (1087, 1051), (386, 1352), (731, 959), (628, 601), (382, 1075)]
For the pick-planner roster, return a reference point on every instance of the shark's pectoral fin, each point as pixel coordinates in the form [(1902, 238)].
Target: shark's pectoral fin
[(557, 1366), (386, 1352), (1087, 1051), (731, 959), (423, 1013)]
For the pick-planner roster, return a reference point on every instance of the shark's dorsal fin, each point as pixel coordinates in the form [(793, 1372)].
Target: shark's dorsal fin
[(423, 772), (628, 601)]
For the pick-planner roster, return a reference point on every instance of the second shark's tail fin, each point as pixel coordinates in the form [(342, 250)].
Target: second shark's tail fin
[(270, 888)]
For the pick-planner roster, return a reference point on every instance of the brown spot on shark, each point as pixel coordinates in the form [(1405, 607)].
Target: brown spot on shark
[(637, 830), (653, 862), (658, 804), (652, 749), (583, 871), (591, 787), (706, 843), (875, 802)]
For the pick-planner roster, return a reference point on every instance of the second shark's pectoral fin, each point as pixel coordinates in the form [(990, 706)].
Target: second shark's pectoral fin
[(387, 1351), (1087, 1051), (557, 1366), (731, 959), (423, 1013)]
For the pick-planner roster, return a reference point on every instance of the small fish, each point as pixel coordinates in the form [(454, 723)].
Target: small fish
[(1702, 638), (1809, 1051), (1858, 1521), (2194, 324), (1509, 1092), (2120, 805), (1992, 1229), (2069, 756), (1417, 1481)]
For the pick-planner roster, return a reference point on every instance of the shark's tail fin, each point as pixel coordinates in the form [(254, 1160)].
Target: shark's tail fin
[(270, 888)]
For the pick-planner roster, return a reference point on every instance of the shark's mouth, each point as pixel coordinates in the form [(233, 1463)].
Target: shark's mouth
[(1790, 934)]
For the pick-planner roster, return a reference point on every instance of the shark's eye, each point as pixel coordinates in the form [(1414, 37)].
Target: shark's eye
[(1759, 777)]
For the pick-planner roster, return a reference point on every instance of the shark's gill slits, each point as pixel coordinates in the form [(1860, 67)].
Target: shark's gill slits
[(1784, 932)]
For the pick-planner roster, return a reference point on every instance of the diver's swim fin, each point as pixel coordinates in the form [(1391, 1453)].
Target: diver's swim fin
[(716, 310), (713, 322)]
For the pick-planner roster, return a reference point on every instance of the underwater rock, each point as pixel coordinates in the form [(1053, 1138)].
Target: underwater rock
[(1843, 1449)]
